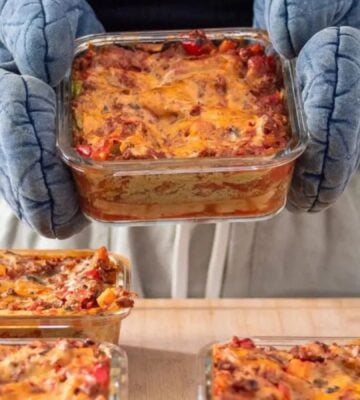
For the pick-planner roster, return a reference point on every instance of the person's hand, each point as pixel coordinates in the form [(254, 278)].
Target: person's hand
[(36, 48), (325, 36)]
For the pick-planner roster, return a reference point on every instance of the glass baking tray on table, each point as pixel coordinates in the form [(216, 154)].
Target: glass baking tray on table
[(73, 369), (309, 369), (203, 188), (64, 293)]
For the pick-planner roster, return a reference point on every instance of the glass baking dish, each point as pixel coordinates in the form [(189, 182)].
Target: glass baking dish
[(118, 386), (283, 343), (200, 189), (103, 327)]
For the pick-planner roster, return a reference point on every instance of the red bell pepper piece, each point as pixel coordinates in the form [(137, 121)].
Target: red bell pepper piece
[(93, 274), (256, 49), (84, 150), (197, 44), (192, 48), (244, 343), (101, 374)]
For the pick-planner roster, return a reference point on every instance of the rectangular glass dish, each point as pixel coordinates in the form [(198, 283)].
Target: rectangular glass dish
[(266, 372), (22, 377), (29, 307), (176, 189)]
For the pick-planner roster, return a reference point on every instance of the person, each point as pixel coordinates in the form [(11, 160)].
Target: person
[(310, 249)]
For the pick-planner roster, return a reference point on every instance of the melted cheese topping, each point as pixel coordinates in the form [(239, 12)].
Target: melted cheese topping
[(31, 285), (64, 370), (130, 103), (314, 371)]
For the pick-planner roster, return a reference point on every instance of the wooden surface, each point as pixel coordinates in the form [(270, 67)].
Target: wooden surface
[(163, 337)]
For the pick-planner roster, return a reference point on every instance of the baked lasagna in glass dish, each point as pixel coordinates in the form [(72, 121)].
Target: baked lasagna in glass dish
[(72, 293), (63, 369), (281, 369), (166, 126)]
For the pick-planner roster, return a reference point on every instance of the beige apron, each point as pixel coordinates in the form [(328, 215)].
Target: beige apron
[(289, 255)]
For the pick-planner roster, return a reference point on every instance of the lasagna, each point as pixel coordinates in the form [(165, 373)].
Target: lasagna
[(314, 371), (180, 128), (65, 369), (184, 99), (78, 283)]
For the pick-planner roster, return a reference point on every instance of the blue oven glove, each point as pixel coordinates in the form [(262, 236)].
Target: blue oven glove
[(325, 36), (36, 48)]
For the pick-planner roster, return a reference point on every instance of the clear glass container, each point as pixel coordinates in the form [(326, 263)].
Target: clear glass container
[(282, 343), (195, 189), (103, 326), (118, 386)]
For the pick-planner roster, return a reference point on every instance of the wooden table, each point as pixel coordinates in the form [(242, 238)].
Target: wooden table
[(162, 337)]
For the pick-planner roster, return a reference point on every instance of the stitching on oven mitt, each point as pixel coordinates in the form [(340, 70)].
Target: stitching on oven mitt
[(328, 70), (39, 34), (291, 23), (33, 180)]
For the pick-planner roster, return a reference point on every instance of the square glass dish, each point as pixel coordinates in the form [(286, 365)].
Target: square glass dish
[(73, 368), (202, 188), (307, 370), (39, 300)]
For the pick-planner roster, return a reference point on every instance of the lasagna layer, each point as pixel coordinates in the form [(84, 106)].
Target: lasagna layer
[(185, 99)]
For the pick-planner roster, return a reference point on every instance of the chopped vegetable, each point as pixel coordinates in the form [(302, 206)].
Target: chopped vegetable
[(76, 88), (244, 343), (107, 297), (227, 45), (101, 374), (93, 274), (84, 150), (193, 49)]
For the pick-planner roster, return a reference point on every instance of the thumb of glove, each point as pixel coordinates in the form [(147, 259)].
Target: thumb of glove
[(39, 35), (291, 23), (328, 69)]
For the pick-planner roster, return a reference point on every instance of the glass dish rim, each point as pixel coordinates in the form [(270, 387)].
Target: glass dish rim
[(117, 390), (204, 354), (205, 164), (51, 320)]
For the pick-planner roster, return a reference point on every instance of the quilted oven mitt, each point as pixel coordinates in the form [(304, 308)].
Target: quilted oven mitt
[(36, 48), (325, 36)]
